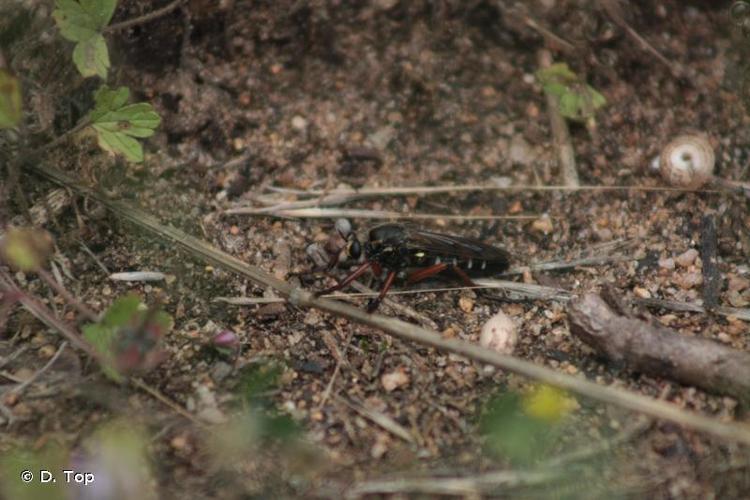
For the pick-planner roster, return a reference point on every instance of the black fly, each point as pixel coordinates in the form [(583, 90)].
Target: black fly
[(396, 250)]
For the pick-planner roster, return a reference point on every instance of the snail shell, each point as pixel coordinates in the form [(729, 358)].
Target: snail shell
[(687, 161)]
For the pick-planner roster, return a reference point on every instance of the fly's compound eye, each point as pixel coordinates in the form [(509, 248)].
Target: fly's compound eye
[(354, 249)]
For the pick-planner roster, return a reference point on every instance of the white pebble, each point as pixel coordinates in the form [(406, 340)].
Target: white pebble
[(687, 258), (499, 334)]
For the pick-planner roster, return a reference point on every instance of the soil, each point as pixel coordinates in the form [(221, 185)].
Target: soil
[(321, 95)]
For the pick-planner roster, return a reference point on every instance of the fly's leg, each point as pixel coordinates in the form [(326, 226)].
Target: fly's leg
[(355, 274), (463, 276), (425, 273), (374, 303), (428, 272)]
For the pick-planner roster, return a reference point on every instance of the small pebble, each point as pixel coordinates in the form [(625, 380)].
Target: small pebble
[(395, 379), (299, 123), (499, 334), (737, 283), (47, 351), (690, 280), (687, 258), (543, 224), (641, 293), (466, 304), (179, 442), (667, 263), (515, 208)]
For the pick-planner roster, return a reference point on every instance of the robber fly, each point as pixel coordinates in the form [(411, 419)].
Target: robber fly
[(393, 250)]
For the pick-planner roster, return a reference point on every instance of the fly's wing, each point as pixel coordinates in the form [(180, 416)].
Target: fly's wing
[(462, 248)]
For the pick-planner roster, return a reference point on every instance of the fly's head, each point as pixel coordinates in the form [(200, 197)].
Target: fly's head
[(353, 246)]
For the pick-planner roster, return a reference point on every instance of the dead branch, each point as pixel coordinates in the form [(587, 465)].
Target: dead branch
[(613, 9), (659, 351), (380, 419), (144, 18), (356, 213), (463, 188), (550, 37), (23, 385), (710, 269), (50, 206), (400, 329), (673, 305), (563, 145), (45, 315), (464, 486)]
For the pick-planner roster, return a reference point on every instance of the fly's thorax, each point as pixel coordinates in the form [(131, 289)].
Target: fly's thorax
[(389, 256)]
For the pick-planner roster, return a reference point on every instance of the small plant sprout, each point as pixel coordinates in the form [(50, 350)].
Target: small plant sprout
[(26, 249), (10, 100), (687, 161), (577, 100), (117, 123), (128, 336), (82, 22), (225, 340), (523, 427)]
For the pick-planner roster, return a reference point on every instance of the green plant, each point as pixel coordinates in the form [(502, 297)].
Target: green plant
[(82, 22), (522, 427), (10, 100), (127, 337), (117, 123), (577, 99)]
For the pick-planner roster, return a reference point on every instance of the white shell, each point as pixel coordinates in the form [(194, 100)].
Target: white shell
[(499, 334), (687, 161)]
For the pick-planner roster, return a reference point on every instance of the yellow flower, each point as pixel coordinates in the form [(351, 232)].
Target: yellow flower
[(548, 403)]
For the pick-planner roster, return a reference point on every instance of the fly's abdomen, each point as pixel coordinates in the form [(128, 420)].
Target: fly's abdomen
[(472, 266)]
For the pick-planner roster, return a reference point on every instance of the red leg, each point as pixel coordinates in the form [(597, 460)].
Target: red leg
[(428, 272), (374, 303), (355, 274), (425, 273), (464, 277)]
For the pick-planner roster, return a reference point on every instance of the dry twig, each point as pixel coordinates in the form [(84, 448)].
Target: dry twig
[(355, 213), (380, 419), (565, 152), (23, 385), (464, 188), (659, 351)]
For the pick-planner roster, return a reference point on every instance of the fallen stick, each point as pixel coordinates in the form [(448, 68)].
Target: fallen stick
[(467, 188), (660, 351), (357, 213), (563, 145)]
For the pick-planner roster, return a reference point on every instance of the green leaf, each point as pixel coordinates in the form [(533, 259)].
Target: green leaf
[(102, 338), (91, 57), (80, 21), (25, 248), (10, 100), (576, 99), (117, 123), (116, 142), (122, 311)]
